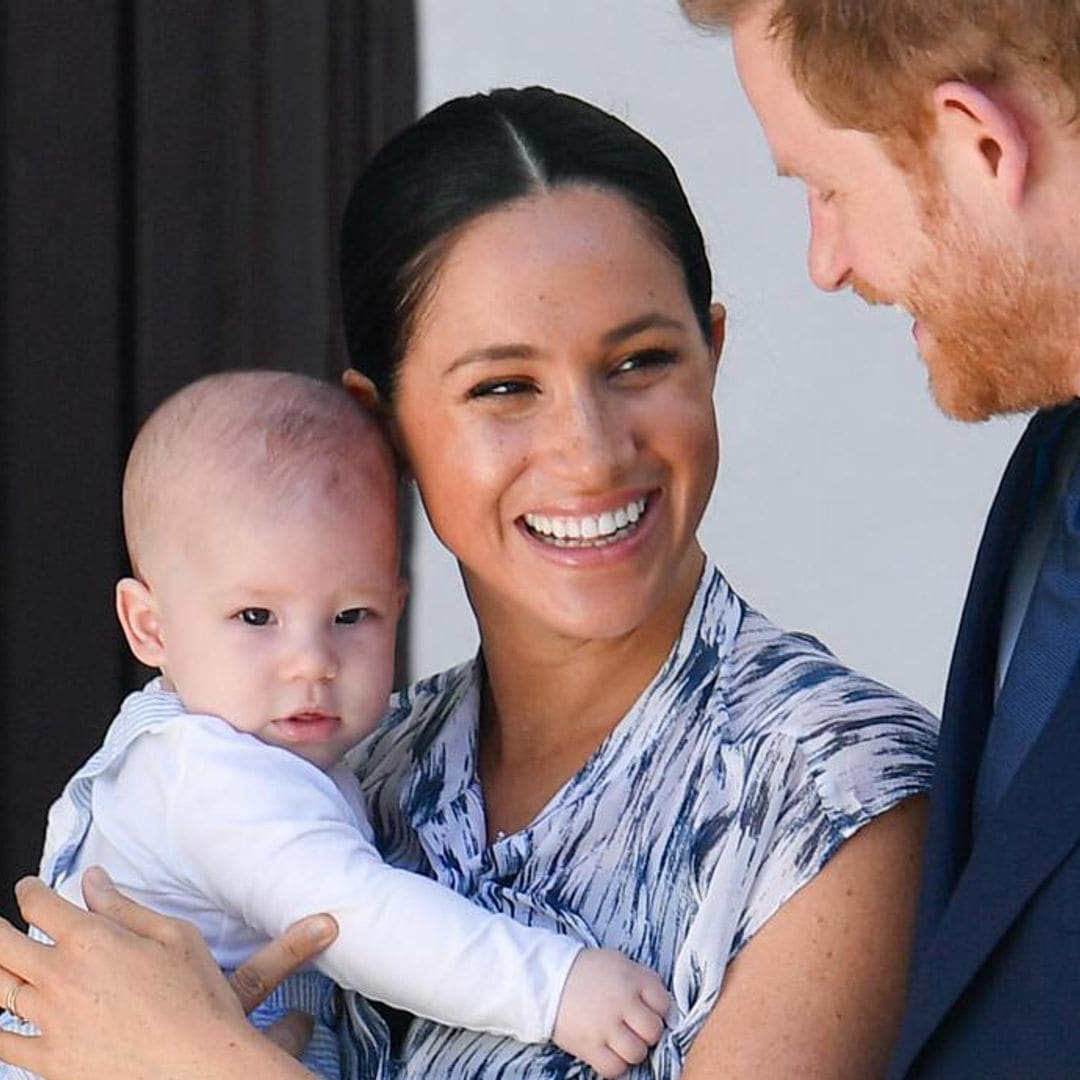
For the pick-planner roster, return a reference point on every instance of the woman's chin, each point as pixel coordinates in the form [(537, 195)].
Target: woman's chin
[(608, 607)]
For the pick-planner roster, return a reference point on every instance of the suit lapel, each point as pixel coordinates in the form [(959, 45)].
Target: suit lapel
[(1034, 827), (966, 904), (969, 693)]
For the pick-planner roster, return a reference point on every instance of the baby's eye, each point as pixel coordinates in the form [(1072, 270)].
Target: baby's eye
[(255, 616), (351, 616)]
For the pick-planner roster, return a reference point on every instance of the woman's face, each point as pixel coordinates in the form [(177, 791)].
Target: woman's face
[(555, 407)]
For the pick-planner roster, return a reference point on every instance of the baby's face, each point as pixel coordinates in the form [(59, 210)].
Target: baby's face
[(282, 620)]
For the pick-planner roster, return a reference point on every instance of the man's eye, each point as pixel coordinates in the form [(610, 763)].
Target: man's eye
[(255, 616), (351, 616)]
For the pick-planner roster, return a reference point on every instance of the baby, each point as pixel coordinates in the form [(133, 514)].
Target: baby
[(260, 517)]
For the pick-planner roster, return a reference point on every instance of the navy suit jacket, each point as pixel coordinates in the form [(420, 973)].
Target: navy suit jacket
[(995, 982)]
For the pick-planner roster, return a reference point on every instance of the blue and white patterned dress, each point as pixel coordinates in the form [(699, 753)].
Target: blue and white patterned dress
[(740, 770)]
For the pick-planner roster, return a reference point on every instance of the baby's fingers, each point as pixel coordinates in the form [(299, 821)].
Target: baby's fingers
[(655, 995), (630, 1047), (608, 1064), (645, 1022)]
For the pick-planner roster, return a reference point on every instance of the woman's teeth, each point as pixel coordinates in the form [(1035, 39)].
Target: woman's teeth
[(589, 530)]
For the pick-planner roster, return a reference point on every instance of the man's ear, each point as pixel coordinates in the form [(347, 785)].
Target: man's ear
[(138, 615), (979, 129)]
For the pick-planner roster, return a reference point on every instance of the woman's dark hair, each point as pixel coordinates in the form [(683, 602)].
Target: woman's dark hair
[(473, 155)]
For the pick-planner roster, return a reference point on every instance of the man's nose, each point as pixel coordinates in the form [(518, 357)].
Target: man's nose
[(828, 265)]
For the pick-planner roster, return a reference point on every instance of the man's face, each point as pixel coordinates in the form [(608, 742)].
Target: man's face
[(994, 328)]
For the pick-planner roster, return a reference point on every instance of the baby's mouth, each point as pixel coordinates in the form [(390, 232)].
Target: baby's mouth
[(308, 724), (587, 530)]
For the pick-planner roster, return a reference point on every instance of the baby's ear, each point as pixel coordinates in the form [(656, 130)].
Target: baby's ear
[(138, 615)]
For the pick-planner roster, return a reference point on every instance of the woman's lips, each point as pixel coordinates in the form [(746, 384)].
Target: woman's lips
[(606, 548)]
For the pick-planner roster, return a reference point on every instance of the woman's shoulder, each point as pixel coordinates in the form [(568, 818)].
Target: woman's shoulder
[(860, 744), (791, 679)]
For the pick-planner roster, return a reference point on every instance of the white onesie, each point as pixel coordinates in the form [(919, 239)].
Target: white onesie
[(197, 820)]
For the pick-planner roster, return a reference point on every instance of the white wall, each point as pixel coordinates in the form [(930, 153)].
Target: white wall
[(847, 506)]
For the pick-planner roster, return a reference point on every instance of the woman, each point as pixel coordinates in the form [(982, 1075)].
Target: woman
[(636, 756)]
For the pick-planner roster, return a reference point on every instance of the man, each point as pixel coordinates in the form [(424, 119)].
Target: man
[(939, 144)]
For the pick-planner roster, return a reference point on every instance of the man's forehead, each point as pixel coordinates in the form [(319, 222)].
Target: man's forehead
[(804, 143), (762, 66)]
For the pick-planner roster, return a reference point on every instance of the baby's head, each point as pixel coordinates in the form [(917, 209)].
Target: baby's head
[(260, 513)]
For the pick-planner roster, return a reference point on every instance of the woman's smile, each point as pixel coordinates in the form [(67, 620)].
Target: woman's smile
[(588, 530), (604, 538)]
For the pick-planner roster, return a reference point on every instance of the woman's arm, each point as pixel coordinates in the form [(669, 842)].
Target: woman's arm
[(125, 993), (819, 990)]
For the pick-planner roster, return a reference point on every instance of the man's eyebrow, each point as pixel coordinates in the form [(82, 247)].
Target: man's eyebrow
[(785, 171)]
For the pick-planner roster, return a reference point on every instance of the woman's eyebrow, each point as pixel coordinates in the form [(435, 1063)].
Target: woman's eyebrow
[(510, 351), (653, 320)]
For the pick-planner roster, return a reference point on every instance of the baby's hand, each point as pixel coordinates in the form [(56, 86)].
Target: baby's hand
[(611, 1011)]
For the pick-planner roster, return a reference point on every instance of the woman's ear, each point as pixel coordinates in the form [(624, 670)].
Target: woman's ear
[(138, 615), (984, 131), (363, 390), (402, 595), (718, 317), (366, 394)]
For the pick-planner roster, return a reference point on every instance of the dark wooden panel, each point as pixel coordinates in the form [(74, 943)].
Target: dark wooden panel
[(194, 141), (62, 334)]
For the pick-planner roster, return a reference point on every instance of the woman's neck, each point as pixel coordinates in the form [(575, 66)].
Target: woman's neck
[(550, 701)]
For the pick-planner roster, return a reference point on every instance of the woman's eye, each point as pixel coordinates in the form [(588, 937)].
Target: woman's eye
[(351, 616), (647, 358), (497, 388), (255, 616)]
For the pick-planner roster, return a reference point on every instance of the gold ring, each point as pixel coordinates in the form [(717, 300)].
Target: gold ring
[(11, 1002)]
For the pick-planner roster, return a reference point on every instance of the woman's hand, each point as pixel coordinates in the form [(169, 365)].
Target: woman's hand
[(127, 994)]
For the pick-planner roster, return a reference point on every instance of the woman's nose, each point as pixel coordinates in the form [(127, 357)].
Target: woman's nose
[(829, 269), (593, 438)]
